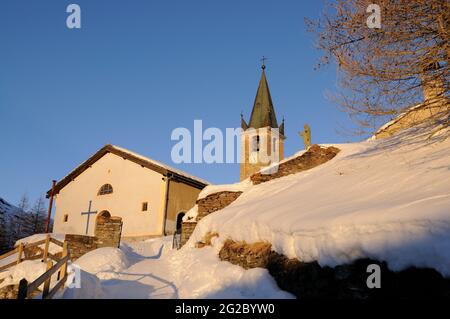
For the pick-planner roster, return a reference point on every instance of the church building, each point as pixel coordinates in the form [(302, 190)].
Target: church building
[(262, 140), (150, 197)]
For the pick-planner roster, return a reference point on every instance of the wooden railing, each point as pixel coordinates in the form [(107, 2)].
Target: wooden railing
[(27, 290), (176, 240)]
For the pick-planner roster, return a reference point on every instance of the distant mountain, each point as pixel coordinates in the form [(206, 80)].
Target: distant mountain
[(7, 208)]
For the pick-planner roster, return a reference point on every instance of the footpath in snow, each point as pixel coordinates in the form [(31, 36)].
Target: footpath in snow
[(152, 270)]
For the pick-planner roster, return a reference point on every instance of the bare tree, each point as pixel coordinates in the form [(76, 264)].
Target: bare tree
[(383, 71), (38, 216), (4, 233), (24, 203)]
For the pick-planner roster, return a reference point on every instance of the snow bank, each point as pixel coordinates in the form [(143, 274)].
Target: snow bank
[(90, 288), (52, 248), (198, 273), (160, 272), (105, 263), (387, 199), (155, 247), (237, 187), (191, 214), (28, 269)]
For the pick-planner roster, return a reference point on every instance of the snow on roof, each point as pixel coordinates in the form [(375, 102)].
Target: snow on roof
[(396, 119), (148, 162), (160, 164)]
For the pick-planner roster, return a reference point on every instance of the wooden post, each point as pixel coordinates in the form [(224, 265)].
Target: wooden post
[(19, 257), (47, 282), (64, 254), (47, 244), (50, 206), (23, 287)]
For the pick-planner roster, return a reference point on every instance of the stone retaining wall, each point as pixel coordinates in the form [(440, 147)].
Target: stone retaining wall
[(313, 157), (108, 231), (246, 255), (79, 245), (187, 228), (215, 202), (107, 234), (206, 206), (309, 280)]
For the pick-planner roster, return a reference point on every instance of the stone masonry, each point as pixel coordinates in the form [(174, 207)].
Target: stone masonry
[(108, 231), (246, 255), (215, 202), (313, 157), (187, 228), (79, 245), (309, 280), (107, 234)]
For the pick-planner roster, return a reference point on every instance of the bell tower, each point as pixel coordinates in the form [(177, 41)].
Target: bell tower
[(262, 140)]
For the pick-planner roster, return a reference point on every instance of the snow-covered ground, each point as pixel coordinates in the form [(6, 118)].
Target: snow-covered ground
[(151, 269), (52, 248), (385, 199)]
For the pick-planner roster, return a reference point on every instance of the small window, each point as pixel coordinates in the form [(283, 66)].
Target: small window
[(66, 218), (144, 206), (255, 143), (105, 189)]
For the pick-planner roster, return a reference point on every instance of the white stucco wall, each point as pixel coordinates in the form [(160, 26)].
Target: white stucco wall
[(132, 184)]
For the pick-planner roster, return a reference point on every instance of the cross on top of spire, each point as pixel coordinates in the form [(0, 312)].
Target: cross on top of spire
[(263, 60)]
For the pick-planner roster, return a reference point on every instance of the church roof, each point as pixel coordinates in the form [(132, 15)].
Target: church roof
[(149, 163), (263, 113)]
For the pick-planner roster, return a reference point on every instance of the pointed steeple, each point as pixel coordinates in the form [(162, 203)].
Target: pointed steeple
[(281, 129), (263, 113), (244, 124)]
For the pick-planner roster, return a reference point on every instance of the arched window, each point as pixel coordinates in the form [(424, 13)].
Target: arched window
[(105, 189)]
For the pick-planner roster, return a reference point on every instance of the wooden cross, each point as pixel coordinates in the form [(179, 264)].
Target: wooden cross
[(88, 213)]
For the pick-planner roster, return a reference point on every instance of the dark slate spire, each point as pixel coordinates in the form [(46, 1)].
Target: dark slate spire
[(263, 113)]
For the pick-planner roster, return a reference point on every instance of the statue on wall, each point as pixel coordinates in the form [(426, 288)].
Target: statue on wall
[(306, 134)]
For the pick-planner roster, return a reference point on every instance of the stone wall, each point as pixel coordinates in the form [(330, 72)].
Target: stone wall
[(79, 245), (309, 280), (313, 157), (108, 231), (246, 255), (206, 206), (215, 202), (107, 234), (187, 228)]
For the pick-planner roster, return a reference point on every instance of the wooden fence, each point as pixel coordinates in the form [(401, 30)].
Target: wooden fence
[(26, 290)]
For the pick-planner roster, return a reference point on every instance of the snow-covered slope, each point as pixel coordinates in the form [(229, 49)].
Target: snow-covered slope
[(386, 199), (151, 269), (7, 208)]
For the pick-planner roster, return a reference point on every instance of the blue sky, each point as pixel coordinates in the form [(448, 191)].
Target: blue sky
[(138, 69)]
